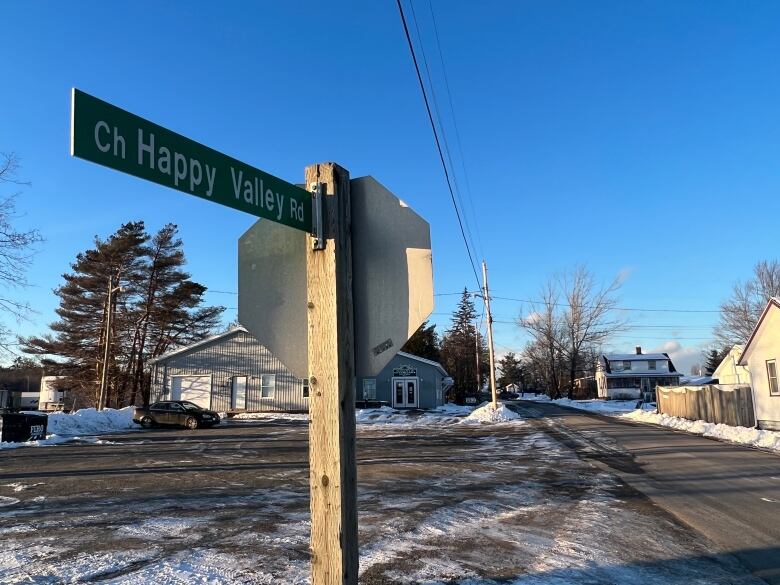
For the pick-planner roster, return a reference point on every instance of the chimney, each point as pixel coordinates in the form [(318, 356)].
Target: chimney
[(638, 350)]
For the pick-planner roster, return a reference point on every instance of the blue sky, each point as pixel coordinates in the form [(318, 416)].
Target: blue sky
[(639, 138)]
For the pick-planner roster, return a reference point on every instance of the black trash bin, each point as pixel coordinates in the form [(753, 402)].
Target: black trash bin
[(17, 427)]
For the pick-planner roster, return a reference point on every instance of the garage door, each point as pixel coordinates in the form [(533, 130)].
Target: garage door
[(196, 389)]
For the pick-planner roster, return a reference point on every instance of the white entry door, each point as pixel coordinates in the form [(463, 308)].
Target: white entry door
[(405, 391), (238, 397), (196, 389)]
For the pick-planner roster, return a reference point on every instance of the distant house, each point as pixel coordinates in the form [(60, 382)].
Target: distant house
[(729, 371), (761, 356), (234, 372), (633, 375)]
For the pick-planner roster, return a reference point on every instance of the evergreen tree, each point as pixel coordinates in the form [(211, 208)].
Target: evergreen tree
[(155, 306), (712, 359), (511, 370), (458, 350), (424, 343)]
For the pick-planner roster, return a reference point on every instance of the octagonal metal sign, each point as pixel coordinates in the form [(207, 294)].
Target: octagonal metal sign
[(392, 274)]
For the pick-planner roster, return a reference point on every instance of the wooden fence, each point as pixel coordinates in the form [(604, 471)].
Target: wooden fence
[(730, 405)]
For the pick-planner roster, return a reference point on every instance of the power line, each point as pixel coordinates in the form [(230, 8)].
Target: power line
[(480, 249), (643, 310), (436, 138), (531, 301)]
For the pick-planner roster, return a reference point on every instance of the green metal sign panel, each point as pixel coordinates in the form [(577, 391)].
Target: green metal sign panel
[(112, 137)]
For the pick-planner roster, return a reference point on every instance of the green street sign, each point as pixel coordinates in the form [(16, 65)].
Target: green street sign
[(112, 137)]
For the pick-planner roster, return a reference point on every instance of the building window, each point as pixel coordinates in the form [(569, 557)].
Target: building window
[(771, 371), (626, 365), (267, 385), (369, 389), (305, 387), (651, 364)]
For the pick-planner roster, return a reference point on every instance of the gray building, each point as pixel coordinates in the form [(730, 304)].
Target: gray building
[(408, 381), (233, 371)]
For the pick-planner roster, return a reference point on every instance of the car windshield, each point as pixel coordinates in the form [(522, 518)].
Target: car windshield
[(190, 406)]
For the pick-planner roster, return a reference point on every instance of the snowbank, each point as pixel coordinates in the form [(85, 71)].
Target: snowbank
[(283, 416), (600, 406), (89, 421), (442, 415), (594, 405), (740, 435), (486, 413), (64, 427)]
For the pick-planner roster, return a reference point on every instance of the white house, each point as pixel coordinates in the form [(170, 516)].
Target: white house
[(634, 375), (761, 356), (730, 372)]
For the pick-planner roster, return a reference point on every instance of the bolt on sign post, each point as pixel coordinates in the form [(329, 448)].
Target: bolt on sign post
[(112, 137)]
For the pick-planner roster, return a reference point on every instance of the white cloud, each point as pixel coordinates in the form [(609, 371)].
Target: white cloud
[(682, 357), (532, 317)]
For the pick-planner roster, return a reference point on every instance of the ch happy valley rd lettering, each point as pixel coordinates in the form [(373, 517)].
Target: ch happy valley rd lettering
[(112, 137)]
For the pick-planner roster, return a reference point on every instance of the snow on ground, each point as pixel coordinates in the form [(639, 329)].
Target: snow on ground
[(443, 415), (486, 413), (89, 421), (595, 405), (741, 435), (276, 416), (81, 425)]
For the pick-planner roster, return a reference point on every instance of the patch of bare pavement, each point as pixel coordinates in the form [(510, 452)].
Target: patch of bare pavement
[(439, 503)]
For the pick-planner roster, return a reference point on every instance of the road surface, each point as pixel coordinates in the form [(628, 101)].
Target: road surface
[(728, 493), (439, 501)]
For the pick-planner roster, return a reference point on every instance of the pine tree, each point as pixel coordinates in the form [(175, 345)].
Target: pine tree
[(458, 350), (511, 370), (424, 343), (713, 358), (155, 306)]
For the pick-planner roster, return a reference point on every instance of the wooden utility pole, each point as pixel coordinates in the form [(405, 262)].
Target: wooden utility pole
[(491, 353), (107, 347), (332, 465)]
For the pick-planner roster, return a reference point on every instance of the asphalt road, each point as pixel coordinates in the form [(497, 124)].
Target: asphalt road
[(728, 493)]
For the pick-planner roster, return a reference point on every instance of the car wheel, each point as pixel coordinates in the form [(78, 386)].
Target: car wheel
[(147, 422), (191, 423)]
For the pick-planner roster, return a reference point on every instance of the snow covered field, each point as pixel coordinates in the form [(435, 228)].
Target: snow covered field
[(446, 502)]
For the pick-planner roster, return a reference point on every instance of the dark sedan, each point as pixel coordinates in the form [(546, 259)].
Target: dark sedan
[(175, 412)]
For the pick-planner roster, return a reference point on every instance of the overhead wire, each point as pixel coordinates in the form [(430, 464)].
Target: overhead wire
[(438, 142), (458, 142), (442, 128)]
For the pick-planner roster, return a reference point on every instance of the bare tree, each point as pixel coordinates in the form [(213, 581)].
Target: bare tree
[(574, 316), (590, 315), (740, 313), (16, 247), (547, 330)]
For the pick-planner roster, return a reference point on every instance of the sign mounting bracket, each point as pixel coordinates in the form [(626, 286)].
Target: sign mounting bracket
[(317, 231)]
